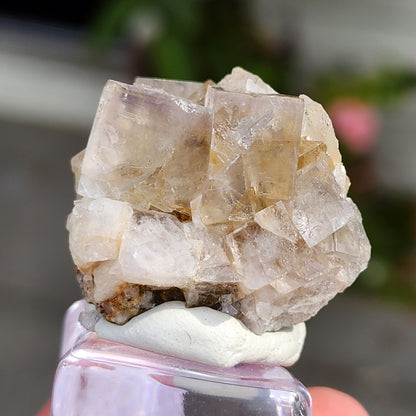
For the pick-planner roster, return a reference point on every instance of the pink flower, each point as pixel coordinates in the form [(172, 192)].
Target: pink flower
[(356, 123)]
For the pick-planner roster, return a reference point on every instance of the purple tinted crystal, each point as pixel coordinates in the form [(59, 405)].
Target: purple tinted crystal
[(99, 377)]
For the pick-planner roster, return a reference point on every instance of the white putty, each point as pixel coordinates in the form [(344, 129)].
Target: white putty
[(204, 335)]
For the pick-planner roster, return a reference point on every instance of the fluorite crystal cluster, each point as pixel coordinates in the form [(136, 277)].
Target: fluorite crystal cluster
[(225, 195)]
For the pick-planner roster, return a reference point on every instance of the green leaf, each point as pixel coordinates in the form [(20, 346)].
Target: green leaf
[(111, 21), (171, 59)]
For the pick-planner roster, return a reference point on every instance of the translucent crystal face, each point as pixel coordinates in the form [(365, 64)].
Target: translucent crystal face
[(230, 196), (147, 148)]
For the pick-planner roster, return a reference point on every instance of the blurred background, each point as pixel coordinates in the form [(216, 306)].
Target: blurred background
[(358, 59)]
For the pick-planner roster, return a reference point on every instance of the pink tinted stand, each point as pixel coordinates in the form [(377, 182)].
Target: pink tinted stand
[(99, 377)]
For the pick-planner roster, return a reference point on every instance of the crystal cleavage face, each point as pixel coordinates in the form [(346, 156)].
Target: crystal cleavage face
[(226, 195)]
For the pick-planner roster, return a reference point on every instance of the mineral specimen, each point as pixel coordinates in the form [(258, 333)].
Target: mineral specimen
[(225, 195)]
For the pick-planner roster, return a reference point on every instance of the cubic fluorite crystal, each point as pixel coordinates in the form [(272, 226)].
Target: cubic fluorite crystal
[(226, 195)]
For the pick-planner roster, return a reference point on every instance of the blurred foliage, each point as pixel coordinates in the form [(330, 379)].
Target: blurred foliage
[(196, 39), (205, 39), (389, 222), (383, 87)]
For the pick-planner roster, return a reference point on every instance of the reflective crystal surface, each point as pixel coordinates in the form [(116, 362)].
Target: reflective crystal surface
[(225, 195)]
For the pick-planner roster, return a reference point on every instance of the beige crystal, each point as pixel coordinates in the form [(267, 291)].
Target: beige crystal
[(224, 195)]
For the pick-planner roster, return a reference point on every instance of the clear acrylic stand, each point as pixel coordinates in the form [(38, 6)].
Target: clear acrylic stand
[(99, 377)]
